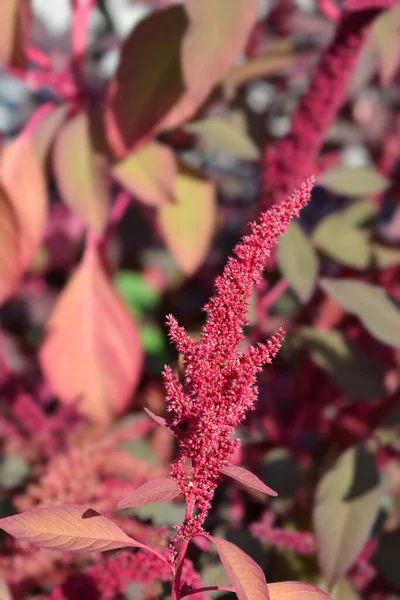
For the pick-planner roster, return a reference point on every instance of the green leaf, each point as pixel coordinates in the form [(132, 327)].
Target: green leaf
[(298, 261), (153, 339), (379, 314), (167, 513), (386, 39), (136, 292), (358, 376), (338, 237), (354, 181), (346, 506), (385, 256), (13, 472), (224, 137)]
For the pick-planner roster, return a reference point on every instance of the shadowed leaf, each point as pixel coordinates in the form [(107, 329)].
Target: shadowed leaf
[(69, 528), (346, 506), (385, 557), (247, 478), (157, 490), (293, 590), (92, 351), (149, 174), (159, 420), (379, 314), (298, 261), (188, 224), (224, 137), (357, 375), (80, 175), (245, 575)]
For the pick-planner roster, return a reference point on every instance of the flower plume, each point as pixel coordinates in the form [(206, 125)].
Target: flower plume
[(219, 385)]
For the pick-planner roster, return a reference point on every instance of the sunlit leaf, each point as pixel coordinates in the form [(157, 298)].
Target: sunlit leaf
[(379, 314), (156, 490), (245, 575), (5, 593), (69, 527), (10, 266), (92, 352), (386, 39), (149, 174), (343, 590), (22, 176), (385, 256), (79, 173), (186, 50), (14, 22), (357, 374), (294, 590), (247, 478), (188, 224), (224, 137), (298, 261), (346, 506), (354, 181)]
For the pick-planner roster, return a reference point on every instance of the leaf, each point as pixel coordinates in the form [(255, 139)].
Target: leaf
[(5, 593), (224, 137), (343, 242), (14, 20), (385, 256), (386, 39), (159, 420), (149, 174), (186, 50), (13, 472), (188, 224), (22, 177), (343, 590), (157, 490), (46, 130), (92, 351), (245, 575), (359, 376), (354, 181), (136, 292), (297, 261), (293, 590), (69, 528), (384, 559), (79, 174), (247, 478), (378, 313), (346, 506), (10, 267)]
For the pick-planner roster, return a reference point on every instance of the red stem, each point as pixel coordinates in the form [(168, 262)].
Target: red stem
[(176, 582)]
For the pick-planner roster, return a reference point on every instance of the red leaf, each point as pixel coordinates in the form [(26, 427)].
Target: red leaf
[(80, 174), (293, 590), (69, 528), (245, 575), (247, 478), (92, 352), (186, 50), (157, 490)]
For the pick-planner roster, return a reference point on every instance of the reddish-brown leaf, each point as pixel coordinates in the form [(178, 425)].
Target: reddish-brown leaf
[(157, 490), (9, 248), (22, 176), (159, 420), (92, 352), (14, 20), (188, 224), (149, 174), (247, 478), (245, 575), (187, 51), (293, 590), (80, 174), (69, 528)]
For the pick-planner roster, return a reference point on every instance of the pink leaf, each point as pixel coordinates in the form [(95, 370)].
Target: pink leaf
[(157, 490), (69, 528), (9, 248), (188, 223), (159, 420), (149, 174), (245, 575), (185, 51), (22, 176), (293, 590), (14, 20), (80, 174), (247, 478), (45, 131), (92, 352)]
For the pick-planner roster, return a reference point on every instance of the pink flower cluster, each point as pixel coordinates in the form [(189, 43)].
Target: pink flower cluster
[(302, 542), (219, 386)]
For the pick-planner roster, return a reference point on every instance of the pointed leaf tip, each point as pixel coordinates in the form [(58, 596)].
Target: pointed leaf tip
[(245, 575), (69, 528), (157, 490), (247, 478), (293, 590)]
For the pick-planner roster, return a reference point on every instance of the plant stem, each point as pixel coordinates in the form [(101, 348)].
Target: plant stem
[(176, 582)]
